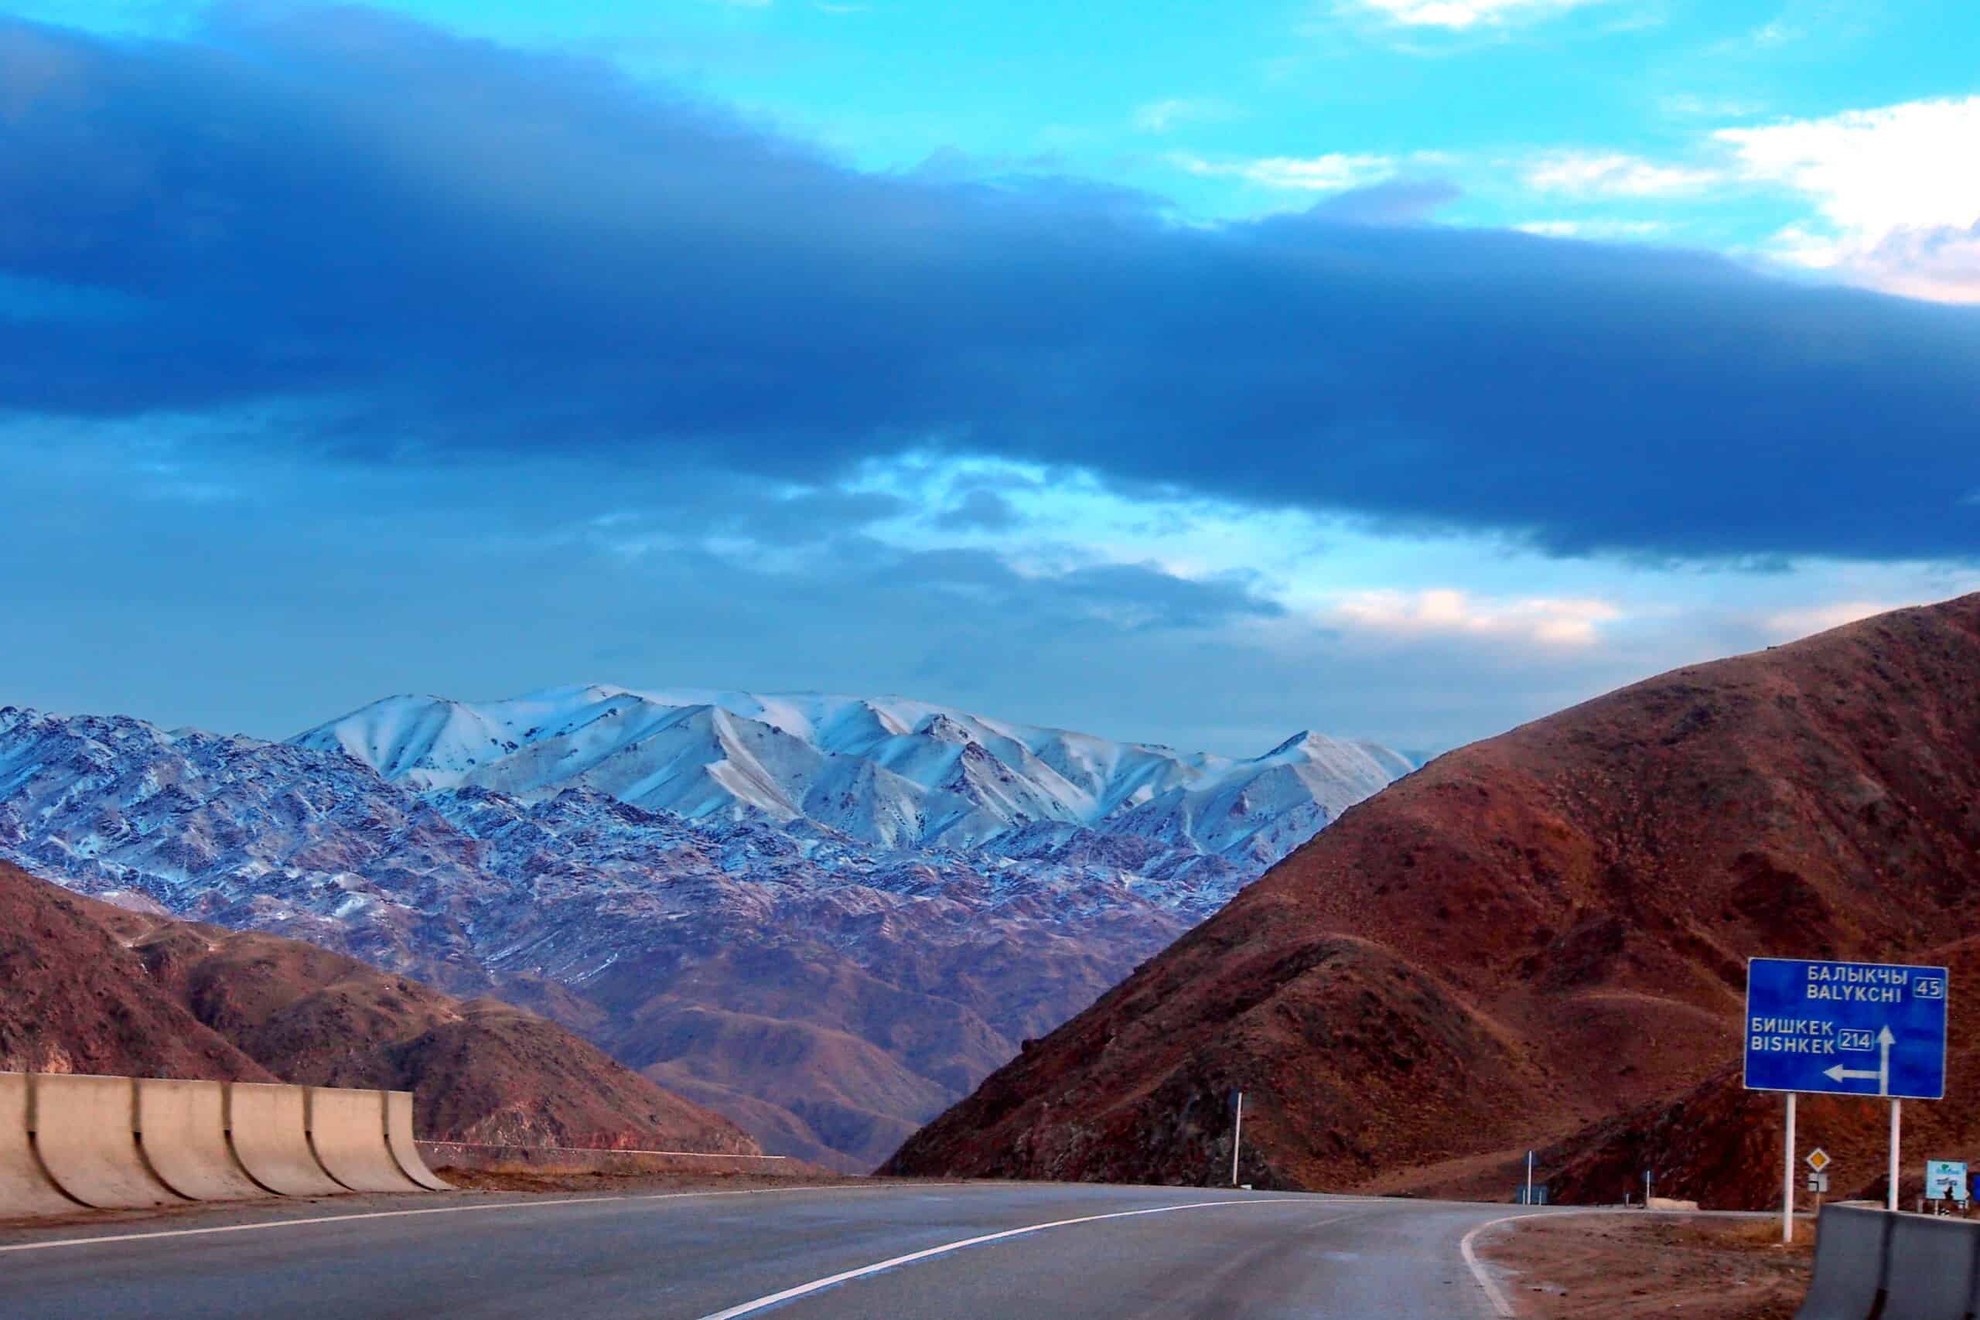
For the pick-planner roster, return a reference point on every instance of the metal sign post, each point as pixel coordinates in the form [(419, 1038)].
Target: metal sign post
[(1787, 1177), (1237, 1138), (1891, 1198), (1845, 1028)]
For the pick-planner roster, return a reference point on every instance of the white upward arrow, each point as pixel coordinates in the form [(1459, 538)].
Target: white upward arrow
[(1883, 1073)]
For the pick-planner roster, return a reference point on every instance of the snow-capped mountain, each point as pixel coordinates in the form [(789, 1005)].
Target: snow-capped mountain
[(887, 771), (800, 971)]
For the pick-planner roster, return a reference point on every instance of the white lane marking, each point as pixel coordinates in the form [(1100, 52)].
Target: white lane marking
[(846, 1276), (1501, 1305), (402, 1214), (1504, 1307)]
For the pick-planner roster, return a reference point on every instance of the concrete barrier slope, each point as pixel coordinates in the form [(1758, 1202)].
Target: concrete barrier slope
[(269, 1131), (1930, 1272), (85, 1130), (399, 1139), (347, 1131), (24, 1188), (182, 1130), (1851, 1249)]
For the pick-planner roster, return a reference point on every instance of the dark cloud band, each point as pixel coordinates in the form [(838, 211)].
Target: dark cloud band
[(462, 250)]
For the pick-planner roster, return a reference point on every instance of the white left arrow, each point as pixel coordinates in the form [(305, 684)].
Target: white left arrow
[(1883, 1071)]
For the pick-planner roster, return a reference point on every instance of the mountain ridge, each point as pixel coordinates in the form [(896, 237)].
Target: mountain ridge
[(891, 979), (930, 775)]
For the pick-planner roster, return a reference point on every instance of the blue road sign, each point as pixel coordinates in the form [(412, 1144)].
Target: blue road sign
[(1845, 1028)]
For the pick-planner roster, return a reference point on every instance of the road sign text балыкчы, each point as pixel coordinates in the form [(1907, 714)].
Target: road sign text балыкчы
[(1846, 1028)]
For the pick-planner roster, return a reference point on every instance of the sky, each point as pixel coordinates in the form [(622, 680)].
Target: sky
[(1401, 369)]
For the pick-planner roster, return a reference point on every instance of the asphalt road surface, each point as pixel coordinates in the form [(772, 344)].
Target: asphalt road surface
[(1030, 1252)]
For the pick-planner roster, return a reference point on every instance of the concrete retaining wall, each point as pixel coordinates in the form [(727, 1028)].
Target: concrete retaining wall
[(85, 1130), (347, 1132), (182, 1130), (269, 1128), (68, 1142), (24, 1187), (1929, 1273), (399, 1136), (1871, 1264)]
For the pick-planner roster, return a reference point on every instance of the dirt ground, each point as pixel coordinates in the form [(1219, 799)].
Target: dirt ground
[(1627, 1265), (551, 1178)]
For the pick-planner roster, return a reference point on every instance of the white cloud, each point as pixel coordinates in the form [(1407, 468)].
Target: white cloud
[(1459, 15), (1161, 116), (1332, 172), (1614, 174), (1596, 230), (1896, 188), (1902, 166), (1691, 105), (1448, 611), (1786, 625)]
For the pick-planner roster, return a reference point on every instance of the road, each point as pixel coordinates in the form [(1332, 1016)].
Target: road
[(823, 1254)]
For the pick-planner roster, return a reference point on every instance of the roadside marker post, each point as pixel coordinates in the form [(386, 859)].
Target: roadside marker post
[(1237, 1136), (1815, 1026), (1818, 1178)]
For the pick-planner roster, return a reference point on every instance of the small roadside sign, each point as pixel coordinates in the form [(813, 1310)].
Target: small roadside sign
[(1945, 1180), (1818, 1183), (1818, 1159)]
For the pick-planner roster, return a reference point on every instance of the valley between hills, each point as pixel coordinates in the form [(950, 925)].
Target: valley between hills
[(1022, 953), (824, 918)]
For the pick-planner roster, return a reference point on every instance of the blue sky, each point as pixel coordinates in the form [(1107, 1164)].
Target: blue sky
[(1400, 368)]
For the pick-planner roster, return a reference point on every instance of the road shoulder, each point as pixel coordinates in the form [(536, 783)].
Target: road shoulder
[(1624, 1265)]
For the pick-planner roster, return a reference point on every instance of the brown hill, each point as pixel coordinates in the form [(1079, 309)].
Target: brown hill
[(87, 987), (1540, 939)]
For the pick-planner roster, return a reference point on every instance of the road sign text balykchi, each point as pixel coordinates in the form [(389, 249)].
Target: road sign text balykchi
[(1846, 1028)]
